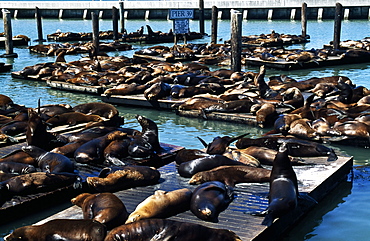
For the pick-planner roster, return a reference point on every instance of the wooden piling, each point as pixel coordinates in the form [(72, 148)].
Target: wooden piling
[(269, 14), (337, 25), (320, 12), (39, 25), (236, 40), (304, 19), (122, 16), (201, 16), (95, 32), (8, 34), (292, 14), (115, 23), (214, 25)]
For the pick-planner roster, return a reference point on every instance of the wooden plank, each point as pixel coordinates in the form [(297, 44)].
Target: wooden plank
[(16, 42), (140, 100), (314, 180), (61, 85)]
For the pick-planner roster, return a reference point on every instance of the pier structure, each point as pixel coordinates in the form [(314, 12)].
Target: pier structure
[(251, 9)]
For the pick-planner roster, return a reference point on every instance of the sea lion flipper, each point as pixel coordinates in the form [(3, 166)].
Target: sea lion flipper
[(203, 142), (332, 156)]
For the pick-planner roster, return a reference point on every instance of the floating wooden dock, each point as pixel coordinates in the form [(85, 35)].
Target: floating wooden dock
[(140, 100), (16, 42), (61, 85), (314, 180), (284, 65)]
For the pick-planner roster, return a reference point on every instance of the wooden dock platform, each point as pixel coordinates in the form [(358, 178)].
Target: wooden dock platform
[(5, 67), (314, 180), (16, 42), (284, 65), (139, 100), (61, 85)]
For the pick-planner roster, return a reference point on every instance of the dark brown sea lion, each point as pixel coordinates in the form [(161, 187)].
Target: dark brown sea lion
[(302, 128), (68, 149), (296, 147), (186, 155), (60, 229), (49, 161), (102, 109), (36, 182), (219, 144), (5, 101), (36, 132), (119, 178), (47, 111), (231, 175), (6, 176), (106, 208), (282, 123), (92, 151), (263, 113), (283, 192), (157, 91), (16, 168), (18, 156), (266, 155), (72, 118), (162, 204), (116, 151), (164, 229), (210, 199), (292, 97), (14, 128), (352, 128), (188, 169)]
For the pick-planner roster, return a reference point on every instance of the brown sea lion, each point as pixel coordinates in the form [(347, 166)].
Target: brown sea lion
[(18, 156), (5, 101), (68, 149), (266, 155), (106, 208), (102, 109), (162, 204), (36, 182), (72, 118), (157, 91), (188, 169), (60, 229), (283, 191), (263, 113), (116, 151), (241, 156), (209, 199), (119, 178), (352, 128), (93, 150), (302, 129), (48, 161), (16, 168), (185, 155), (150, 229), (219, 144), (282, 123), (231, 175)]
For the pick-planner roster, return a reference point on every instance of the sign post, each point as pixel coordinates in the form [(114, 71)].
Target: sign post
[(180, 19)]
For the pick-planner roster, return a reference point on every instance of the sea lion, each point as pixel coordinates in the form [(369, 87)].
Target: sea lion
[(302, 128), (149, 132), (14, 128), (72, 118), (68, 149), (263, 113), (102, 109), (188, 169), (60, 229), (16, 168), (210, 199), (185, 155), (37, 182), (92, 151), (282, 123), (106, 208), (157, 91), (296, 147), (352, 128), (18, 156), (219, 144), (49, 161), (118, 178), (231, 175), (241, 156), (126, 89), (5, 101), (116, 151), (266, 155), (47, 111), (283, 192), (164, 229), (162, 204), (36, 132)]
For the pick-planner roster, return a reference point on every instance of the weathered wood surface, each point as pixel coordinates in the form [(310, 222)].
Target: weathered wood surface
[(16, 42), (61, 85), (314, 180)]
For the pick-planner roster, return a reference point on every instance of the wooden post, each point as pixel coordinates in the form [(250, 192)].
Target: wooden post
[(8, 35), (39, 25), (122, 16), (214, 25), (115, 23), (201, 16), (236, 40), (95, 32), (337, 25), (304, 19)]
